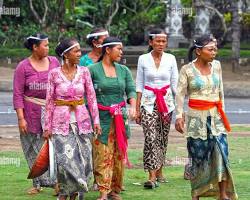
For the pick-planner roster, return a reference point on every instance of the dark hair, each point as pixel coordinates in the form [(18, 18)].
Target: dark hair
[(96, 30), (199, 43), (64, 44), (154, 31), (108, 40), (29, 42)]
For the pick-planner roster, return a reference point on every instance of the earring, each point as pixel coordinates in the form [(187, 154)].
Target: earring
[(67, 61)]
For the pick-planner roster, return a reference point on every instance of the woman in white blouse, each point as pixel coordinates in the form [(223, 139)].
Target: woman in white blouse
[(156, 82)]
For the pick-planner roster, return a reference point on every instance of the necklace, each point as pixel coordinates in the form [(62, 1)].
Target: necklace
[(69, 76)]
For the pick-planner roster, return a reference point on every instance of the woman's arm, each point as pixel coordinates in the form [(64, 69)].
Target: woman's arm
[(49, 105), (91, 96), (174, 76), (18, 97), (179, 98), (138, 106)]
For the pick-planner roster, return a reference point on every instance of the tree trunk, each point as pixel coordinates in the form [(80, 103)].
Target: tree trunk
[(61, 12), (235, 36), (40, 20)]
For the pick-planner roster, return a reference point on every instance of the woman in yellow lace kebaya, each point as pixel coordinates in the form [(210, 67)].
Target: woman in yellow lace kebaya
[(206, 123)]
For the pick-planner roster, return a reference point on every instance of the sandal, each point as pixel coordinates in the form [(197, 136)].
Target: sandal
[(114, 196), (151, 184), (161, 180), (34, 190)]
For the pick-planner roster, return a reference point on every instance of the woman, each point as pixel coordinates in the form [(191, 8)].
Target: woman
[(111, 81), (207, 125), (68, 122), (94, 40), (30, 84), (156, 82)]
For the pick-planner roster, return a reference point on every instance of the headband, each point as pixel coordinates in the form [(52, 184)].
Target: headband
[(97, 34), (71, 47), (111, 43), (207, 45), (36, 38), (159, 34)]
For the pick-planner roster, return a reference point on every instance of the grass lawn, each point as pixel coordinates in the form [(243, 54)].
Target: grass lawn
[(13, 182)]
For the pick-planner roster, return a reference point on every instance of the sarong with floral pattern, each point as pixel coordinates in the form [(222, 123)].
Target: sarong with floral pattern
[(210, 165), (73, 154)]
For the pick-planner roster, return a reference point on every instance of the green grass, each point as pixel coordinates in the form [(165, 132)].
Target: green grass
[(240, 128), (13, 180)]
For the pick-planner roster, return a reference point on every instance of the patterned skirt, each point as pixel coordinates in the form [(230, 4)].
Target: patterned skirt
[(31, 144), (155, 131), (210, 165), (108, 164), (73, 155)]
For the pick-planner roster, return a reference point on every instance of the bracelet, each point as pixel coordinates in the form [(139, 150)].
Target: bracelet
[(19, 119)]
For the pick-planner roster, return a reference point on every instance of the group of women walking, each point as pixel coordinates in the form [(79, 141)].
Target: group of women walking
[(83, 109)]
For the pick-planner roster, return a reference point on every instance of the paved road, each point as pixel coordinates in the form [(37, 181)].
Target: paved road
[(237, 109)]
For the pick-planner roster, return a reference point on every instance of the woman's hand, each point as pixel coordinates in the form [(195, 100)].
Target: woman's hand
[(47, 134), (179, 125), (138, 117), (132, 113), (97, 129), (22, 124)]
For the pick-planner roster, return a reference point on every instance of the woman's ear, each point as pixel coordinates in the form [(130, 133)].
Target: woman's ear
[(198, 51), (150, 43), (34, 47), (95, 43), (108, 50)]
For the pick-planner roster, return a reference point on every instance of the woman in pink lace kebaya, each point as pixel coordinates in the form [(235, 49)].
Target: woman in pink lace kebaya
[(68, 122)]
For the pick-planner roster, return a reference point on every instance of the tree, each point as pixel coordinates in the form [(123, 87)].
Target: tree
[(235, 35), (231, 6), (40, 20)]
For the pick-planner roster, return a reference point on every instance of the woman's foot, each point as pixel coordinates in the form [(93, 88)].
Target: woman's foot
[(34, 190), (151, 184), (56, 190), (73, 197), (62, 197), (225, 197), (103, 196), (162, 179), (114, 196)]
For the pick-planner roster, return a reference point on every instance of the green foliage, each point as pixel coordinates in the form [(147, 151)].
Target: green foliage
[(77, 18), (186, 3), (246, 19), (228, 17)]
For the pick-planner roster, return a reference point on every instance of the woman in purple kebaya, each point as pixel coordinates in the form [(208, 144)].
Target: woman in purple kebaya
[(30, 85)]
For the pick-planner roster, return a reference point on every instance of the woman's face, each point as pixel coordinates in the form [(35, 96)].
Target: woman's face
[(97, 43), (159, 43), (42, 50), (74, 55), (208, 52), (115, 53)]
